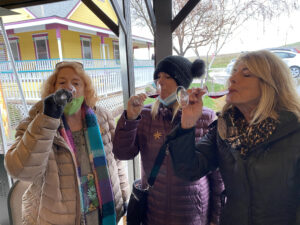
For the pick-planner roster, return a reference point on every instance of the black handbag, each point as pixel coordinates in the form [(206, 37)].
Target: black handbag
[(137, 206)]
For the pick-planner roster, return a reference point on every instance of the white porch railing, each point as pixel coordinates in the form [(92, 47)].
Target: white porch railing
[(105, 74)]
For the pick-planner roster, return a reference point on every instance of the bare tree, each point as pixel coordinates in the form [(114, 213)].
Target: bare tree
[(237, 12), (212, 22), (139, 15)]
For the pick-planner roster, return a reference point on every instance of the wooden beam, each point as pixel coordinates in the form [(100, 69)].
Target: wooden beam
[(13, 4), (184, 12), (151, 14), (120, 16), (102, 16), (162, 36)]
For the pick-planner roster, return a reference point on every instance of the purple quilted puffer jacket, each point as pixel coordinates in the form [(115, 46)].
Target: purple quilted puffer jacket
[(171, 201)]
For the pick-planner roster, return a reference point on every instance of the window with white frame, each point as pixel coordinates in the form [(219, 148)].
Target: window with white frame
[(14, 45), (86, 48), (41, 47), (116, 51)]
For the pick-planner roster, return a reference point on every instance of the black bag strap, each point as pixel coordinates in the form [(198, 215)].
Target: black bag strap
[(157, 164)]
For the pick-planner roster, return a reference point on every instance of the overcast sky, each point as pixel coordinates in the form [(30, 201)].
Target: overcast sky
[(255, 35)]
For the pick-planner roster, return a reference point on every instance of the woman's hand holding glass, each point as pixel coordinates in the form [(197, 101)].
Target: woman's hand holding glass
[(135, 106), (136, 102), (193, 110)]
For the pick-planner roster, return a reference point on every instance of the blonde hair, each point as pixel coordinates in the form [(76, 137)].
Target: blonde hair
[(155, 108), (90, 94), (278, 91)]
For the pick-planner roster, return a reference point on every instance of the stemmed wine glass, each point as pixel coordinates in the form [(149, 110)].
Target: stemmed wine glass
[(152, 90), (182, 95), (61, 97)]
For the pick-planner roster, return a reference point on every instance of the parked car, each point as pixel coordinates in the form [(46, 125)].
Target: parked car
[(229, 66), (285, 49), (291, 58), (289, 55)]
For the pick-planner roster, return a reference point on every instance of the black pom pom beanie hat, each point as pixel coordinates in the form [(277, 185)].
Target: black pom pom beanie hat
[(180, 69)]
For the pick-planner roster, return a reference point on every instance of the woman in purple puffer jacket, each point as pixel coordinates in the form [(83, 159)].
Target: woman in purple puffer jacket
[(171, 201)]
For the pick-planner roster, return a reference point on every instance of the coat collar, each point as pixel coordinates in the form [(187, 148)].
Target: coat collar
[(288, 123)]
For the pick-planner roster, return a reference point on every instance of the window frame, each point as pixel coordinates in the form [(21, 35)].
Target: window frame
[(18, 53), (89, 39), (116, 50), (38, 37)]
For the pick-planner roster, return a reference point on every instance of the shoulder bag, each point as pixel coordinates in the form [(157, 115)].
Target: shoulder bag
[(137, 206)]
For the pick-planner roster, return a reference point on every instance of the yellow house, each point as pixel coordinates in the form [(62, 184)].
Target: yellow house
[(64, 30)]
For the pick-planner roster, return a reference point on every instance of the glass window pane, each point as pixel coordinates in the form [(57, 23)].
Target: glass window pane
[(87, 53), (42, 51), (15, 50), (116, 51)]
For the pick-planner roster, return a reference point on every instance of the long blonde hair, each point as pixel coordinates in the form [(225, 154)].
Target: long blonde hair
[(155, 108), (90, 94), (278, 91)]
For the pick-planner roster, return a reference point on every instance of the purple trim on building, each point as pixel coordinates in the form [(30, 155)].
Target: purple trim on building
[(13, 38), (9, 32), (53, 26), (57, 27), (102, 39), (85, 36), (71, 11), (102, 36), (55, 17), (67, 20), (58, 34), (39, 35)]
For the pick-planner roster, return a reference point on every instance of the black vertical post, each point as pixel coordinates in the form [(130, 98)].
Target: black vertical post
[(127, 73), (163, 35), (126, 55)]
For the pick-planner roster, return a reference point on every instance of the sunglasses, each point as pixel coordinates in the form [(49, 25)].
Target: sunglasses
[(66, 62)]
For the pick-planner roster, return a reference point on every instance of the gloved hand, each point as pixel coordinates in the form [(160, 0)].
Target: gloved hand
[(54, 104)]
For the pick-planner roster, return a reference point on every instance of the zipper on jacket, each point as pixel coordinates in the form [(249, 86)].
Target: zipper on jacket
[(168, 183), (167, 150), (246, 165)]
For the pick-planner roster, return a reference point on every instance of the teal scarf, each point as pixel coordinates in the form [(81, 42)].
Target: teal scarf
[(98, 162)]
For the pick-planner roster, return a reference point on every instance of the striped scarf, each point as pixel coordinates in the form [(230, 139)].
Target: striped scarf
[(98, 163)]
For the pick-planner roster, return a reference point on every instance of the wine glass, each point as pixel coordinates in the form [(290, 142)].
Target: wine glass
[(61, 97), (214, 92), (152, 90)]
